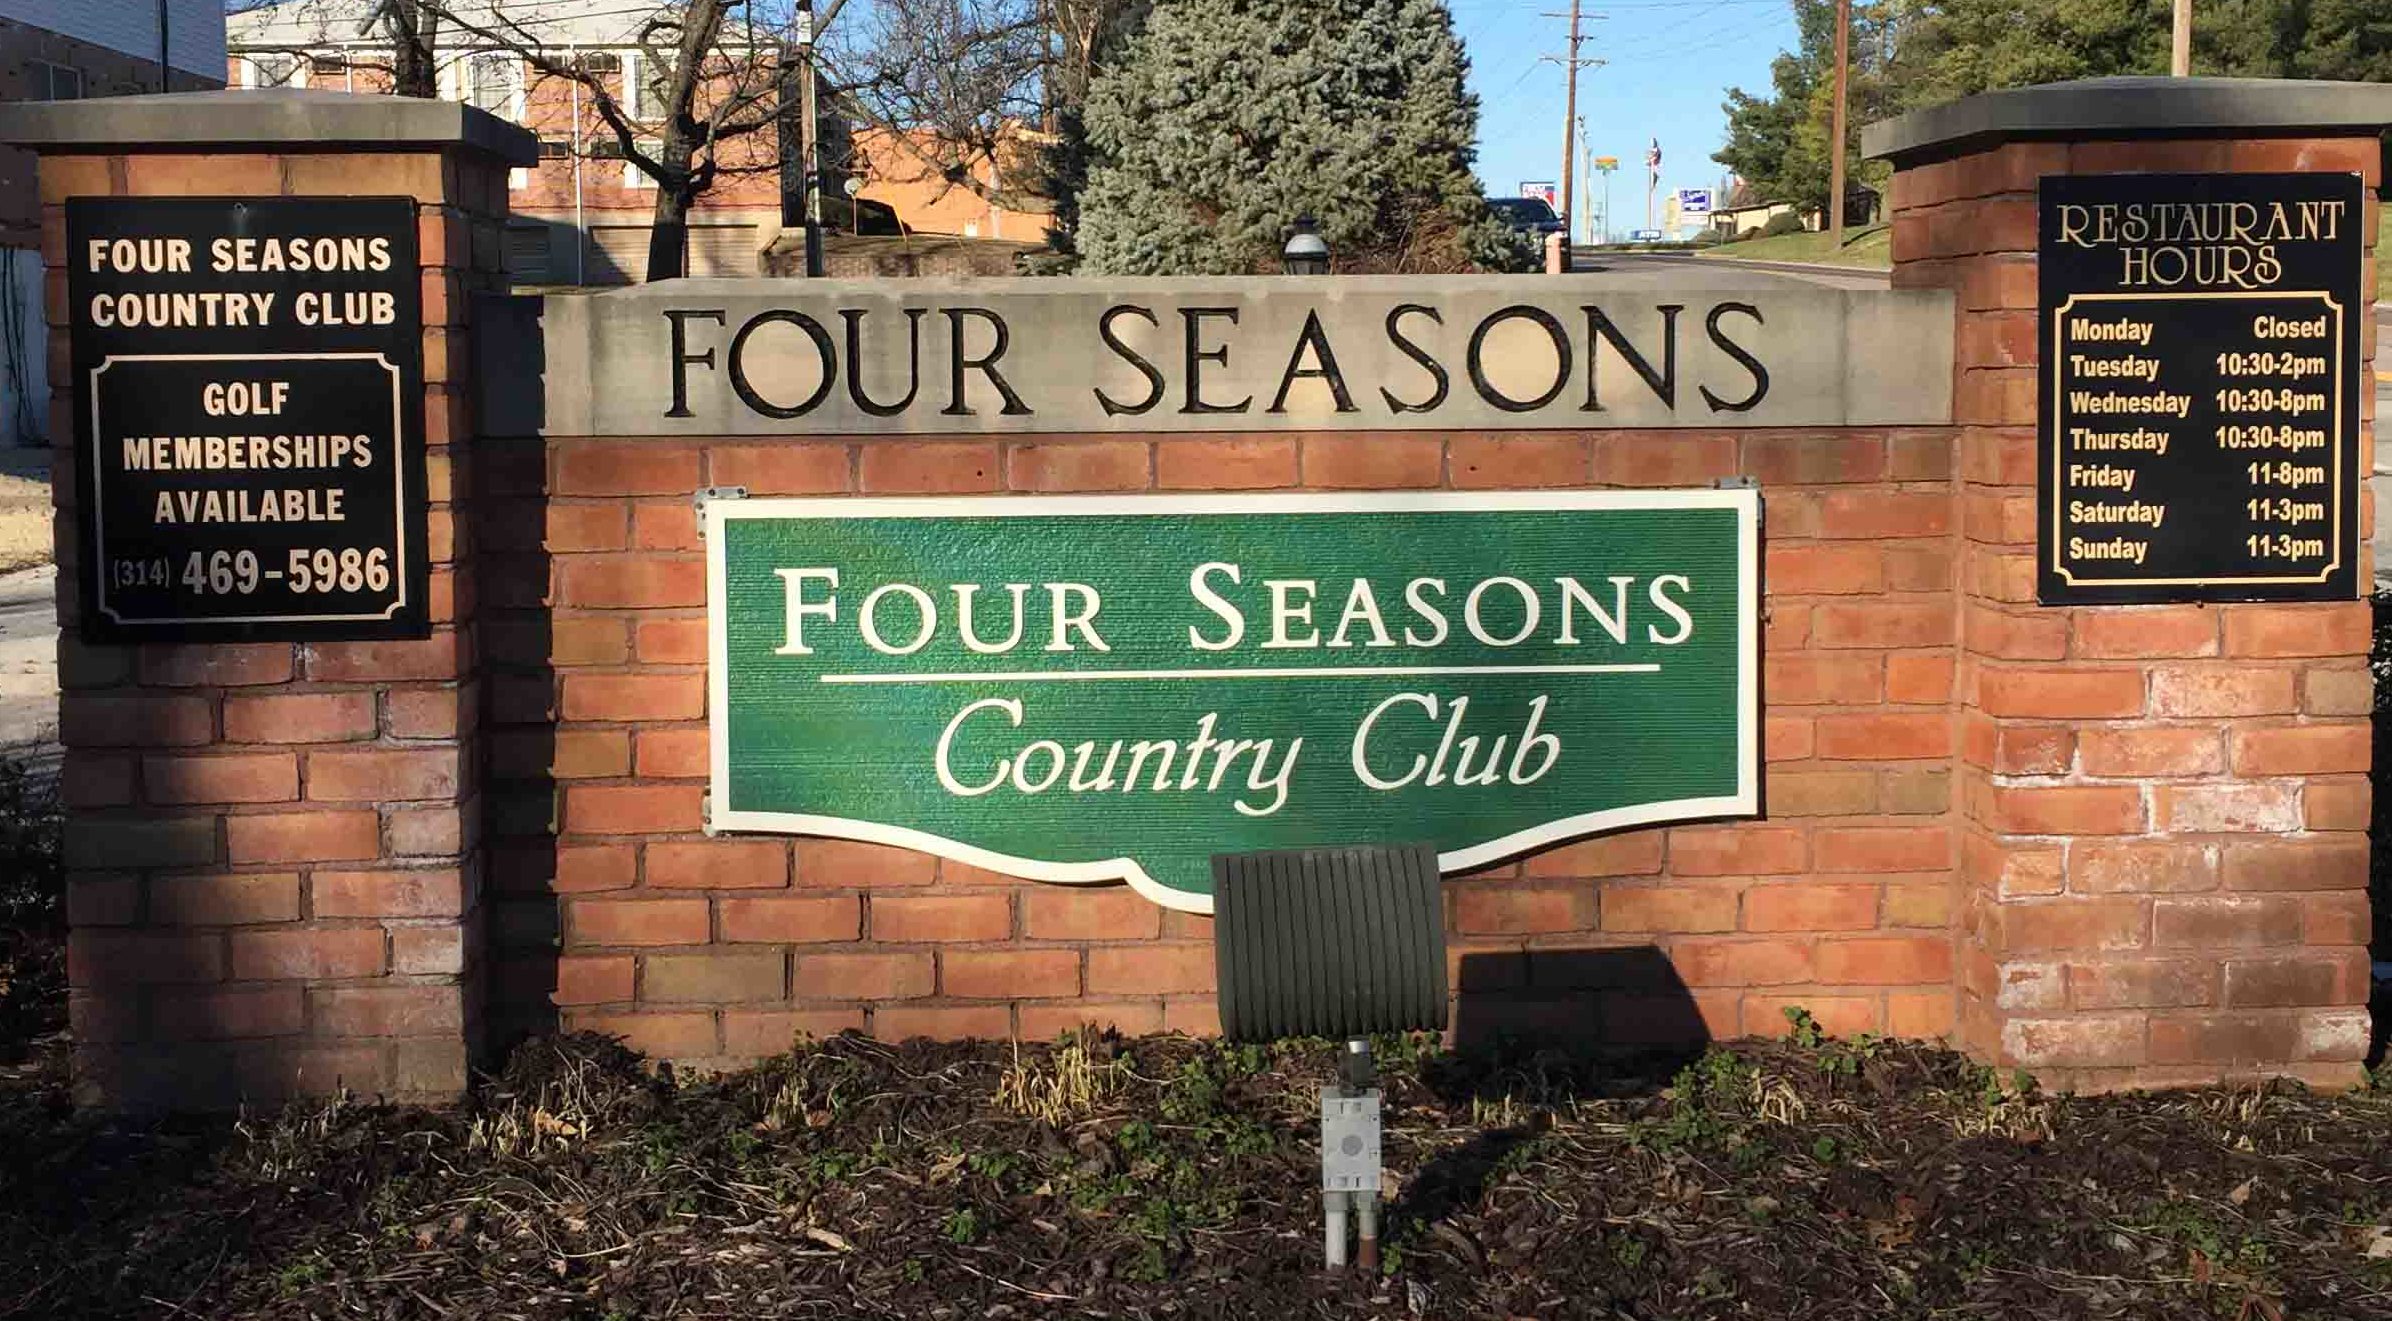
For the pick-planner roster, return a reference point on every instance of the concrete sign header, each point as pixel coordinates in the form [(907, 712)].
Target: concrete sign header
[(707, 357)]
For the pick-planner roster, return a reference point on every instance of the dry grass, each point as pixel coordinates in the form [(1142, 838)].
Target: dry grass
[(1066, 1084), (24, 522)]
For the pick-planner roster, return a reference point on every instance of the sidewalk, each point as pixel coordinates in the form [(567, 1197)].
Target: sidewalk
[(28, 657)]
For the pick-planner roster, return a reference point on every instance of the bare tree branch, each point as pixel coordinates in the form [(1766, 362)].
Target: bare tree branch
[(960, 93), (956, 89), (708, 90)]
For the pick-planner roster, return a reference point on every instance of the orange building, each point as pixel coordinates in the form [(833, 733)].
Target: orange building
[(903, 173)]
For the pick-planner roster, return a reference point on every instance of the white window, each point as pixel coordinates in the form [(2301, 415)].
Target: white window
[(272, 70), (634, 100), (494, 82), (633, 176)]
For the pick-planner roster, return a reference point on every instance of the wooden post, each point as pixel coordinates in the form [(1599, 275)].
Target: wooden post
[(1835, 173), (1569, 131)]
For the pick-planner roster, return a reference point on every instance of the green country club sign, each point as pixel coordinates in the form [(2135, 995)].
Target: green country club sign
[(1093, 688)]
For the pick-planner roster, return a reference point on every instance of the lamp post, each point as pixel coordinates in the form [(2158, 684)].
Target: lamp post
[(1306, 253)]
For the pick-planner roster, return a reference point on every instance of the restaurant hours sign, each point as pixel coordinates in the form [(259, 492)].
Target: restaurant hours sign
[(2199, 395), (247, 376), (1097, 688)]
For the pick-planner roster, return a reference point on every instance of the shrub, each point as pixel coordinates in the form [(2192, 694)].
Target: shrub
[(32, 882)]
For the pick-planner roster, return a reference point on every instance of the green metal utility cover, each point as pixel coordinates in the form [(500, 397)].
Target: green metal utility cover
[(1094, 688)]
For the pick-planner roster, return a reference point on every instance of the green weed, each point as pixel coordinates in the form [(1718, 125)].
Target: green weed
[(965, 1226)]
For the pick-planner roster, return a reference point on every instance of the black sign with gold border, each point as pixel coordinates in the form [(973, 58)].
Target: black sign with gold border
[(2199, 388), (248, 376)]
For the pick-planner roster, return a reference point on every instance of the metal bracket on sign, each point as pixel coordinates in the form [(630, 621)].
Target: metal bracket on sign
[(1741, 483), (1744, 483), (706, 802), (706, 493)]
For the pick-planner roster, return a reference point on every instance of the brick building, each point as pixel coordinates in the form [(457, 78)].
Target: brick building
[(66, 50), (899, 172), (582, 215)]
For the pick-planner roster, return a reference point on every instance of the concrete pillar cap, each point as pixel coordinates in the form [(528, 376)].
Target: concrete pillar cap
[(285, 119), (2140, 107)]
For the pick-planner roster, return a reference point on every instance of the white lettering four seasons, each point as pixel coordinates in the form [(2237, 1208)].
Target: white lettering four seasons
[(1072, 611)]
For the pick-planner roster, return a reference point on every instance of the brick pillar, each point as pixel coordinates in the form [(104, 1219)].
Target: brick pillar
[(273, 868), (2162, 809)]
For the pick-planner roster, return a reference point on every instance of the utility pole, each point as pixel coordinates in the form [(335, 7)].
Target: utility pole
[(1835, 171), (1570, 64), (1569, 137), (2180, 51)]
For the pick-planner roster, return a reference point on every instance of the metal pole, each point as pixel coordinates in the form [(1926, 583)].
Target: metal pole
[(581, 233), (2180, 47), (165, 64), (809, 135), (1835, 173), (1569, 131), (1361, 1075), (1586, 179), (1333, 1232)]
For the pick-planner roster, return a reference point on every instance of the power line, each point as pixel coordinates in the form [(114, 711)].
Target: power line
[(1707, 41)]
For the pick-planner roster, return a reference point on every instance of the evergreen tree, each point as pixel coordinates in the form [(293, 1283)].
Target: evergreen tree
[(1957, 47), (1909, 53), (1778, 143), (1219, 122)]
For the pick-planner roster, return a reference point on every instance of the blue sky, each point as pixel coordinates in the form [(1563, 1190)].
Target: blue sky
[(1671, 63)]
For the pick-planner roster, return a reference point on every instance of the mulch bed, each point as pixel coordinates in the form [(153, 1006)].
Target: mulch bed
[(1167, 1177)]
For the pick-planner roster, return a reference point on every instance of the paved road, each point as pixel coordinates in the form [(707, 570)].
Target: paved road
[(28, 658), (1661, 270)]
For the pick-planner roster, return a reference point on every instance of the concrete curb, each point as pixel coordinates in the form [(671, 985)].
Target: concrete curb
[(1800, 267)]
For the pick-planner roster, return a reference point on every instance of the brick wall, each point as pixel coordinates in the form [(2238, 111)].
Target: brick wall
[(2162, 808), (273, 870), (2115, 845), (122, 70), (612, 912)]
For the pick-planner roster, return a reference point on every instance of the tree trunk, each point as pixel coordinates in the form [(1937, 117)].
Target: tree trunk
[(678, 186), (668, 235), (412, 31)]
